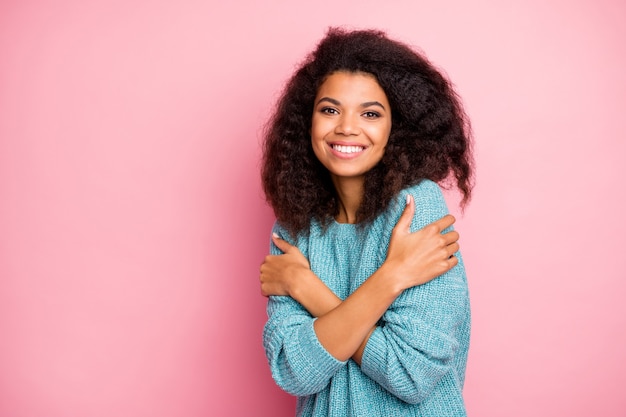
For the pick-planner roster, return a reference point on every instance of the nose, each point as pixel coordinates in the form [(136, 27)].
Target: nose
[(347, 125)]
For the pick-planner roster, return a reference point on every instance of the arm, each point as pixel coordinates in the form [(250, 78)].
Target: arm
[(424, 330), (299, 363), (289, 274), (343, 327), (419, 338), (318, 299)]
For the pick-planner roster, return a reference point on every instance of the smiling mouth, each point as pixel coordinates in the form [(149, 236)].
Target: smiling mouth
[(347, 149)]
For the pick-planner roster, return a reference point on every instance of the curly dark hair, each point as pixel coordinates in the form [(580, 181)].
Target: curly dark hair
[(430, 134)]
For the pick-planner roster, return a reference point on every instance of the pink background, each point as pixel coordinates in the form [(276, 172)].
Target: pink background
[(132, 224)]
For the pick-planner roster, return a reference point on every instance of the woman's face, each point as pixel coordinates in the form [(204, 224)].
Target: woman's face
[(351, 124)]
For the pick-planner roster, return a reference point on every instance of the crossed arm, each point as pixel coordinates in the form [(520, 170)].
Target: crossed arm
[(344, 327)]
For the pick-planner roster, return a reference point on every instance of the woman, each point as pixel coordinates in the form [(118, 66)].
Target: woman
[(358, 326)]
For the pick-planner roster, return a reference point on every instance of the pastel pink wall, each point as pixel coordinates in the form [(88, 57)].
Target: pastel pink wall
[(132, 223)]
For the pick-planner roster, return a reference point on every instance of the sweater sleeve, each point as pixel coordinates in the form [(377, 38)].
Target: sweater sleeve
[(299, 363), (416, 340)]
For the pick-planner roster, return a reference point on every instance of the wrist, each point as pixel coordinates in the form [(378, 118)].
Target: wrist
[(393, 276), (297, 283)]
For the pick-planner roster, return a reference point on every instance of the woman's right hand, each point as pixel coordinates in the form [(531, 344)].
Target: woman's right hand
[(279, 273), (418, 257)]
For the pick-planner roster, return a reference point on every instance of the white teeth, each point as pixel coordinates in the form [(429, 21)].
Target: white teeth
[(347, 149)]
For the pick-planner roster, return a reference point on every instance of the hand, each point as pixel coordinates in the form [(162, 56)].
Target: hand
[(423, 255), (279, 272)]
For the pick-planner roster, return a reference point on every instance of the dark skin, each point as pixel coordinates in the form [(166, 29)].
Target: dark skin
[(350, 129), (413, 259)]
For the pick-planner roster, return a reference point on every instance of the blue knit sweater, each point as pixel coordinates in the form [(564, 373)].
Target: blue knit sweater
[(413, 363)]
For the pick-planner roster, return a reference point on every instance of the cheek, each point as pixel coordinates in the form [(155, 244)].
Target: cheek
[(314, 138), (387, 134), (317, 145), (318, 127), (317, 136), (382, 136)]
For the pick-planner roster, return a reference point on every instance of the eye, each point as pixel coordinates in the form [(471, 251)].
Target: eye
[(371, 115), (329, 110)]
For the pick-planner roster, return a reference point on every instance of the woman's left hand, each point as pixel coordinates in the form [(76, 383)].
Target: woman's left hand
[(279, 273)]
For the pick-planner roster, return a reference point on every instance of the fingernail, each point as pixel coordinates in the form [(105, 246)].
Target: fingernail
[(275, 235), (408, 199)]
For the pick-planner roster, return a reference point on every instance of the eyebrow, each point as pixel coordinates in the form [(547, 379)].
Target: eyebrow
[(338, 103)]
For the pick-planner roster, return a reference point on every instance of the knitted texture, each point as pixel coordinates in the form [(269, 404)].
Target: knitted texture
[(413, 363)]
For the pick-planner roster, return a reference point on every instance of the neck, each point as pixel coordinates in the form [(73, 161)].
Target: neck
[(350, 194)]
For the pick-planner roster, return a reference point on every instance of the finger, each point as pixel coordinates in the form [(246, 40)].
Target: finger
[(450, 237), (453, 248), (280, 243), (264, 293), (445, 222), (404, 222)]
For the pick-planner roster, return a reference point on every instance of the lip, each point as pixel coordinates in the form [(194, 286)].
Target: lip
[(351, 154)]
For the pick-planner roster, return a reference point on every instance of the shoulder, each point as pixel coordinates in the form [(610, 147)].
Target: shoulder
[(300, 240), (427, 194), (430, 204)]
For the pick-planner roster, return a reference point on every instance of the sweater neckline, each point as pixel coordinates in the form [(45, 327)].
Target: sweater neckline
[(343, 228)]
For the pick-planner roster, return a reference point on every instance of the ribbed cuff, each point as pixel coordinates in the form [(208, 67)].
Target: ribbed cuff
[(320, 360), (374, 359)]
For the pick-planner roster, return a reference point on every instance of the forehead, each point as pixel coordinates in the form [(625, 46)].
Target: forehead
[(354, 84)]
